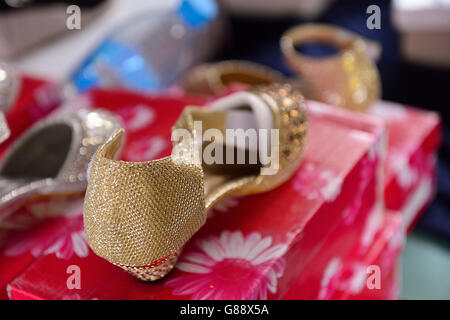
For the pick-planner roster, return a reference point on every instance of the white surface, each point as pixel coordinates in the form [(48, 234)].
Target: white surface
[(421, 15), (425, 30), (302, 8), (429, 48), (55, 60)]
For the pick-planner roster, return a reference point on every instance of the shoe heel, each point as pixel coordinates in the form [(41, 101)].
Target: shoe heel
[(153, 272)]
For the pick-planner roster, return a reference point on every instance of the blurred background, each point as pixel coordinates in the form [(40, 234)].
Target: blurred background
[(50, 40)]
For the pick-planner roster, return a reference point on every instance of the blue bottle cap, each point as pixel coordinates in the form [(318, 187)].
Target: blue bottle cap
[(197, 13)]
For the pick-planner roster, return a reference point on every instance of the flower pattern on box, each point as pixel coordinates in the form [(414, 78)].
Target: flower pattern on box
[(394, 247), (406, 174), (34, 227), (313, 183), (46, 98), (224, 206), (372, 226), (232, 266), (367, 168), (390, 112), (146, 148), (15, 238), (72, 243), (354, 279), (137, 117), (330, 279), (34, 241), (74, 296), (66, 206)]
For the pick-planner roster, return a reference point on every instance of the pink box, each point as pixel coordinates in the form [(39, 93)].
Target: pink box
[(252, 247), (410, 169), (344, 274), (307, 256), (383, 254), (30, 231)]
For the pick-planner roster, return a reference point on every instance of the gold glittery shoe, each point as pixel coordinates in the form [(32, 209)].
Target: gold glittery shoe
[(140, 215), (347, 79), (214, 78), (52, 157)]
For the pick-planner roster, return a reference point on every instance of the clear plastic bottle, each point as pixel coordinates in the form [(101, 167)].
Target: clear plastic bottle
[(152, 51)]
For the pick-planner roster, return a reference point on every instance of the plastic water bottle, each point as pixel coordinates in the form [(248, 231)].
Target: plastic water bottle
[(153, 50)]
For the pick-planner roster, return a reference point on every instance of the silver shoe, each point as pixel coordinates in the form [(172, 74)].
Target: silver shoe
[(9, 86), (4, 129), (9, 89), (52, 157)]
